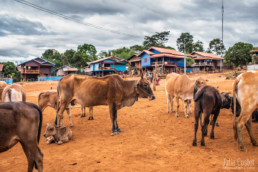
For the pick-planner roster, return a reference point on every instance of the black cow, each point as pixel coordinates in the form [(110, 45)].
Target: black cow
[(22, 122), (207, 101)]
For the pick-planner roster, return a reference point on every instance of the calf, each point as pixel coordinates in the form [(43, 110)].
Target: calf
[(49, 98), (21, 122), (13, 93), (59, 135), (245, 90), (207, 101)]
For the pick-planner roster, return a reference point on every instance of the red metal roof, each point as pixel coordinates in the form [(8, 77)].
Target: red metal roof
[(254, 51), (207, 55), (167, 55), (110, 57), (166, 50)]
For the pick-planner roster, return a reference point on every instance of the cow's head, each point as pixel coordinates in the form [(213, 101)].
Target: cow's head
[(50, 130), (226, 100), (200, 82), (143, 88)]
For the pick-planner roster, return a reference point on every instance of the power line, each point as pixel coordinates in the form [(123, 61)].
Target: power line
[(73, 19)]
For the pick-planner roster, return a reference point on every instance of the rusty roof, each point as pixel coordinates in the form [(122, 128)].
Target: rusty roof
[(166, 50), (254, 51), (207, 55)]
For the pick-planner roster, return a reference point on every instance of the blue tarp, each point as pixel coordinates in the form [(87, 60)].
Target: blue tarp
[(49, 78), (9, 81)]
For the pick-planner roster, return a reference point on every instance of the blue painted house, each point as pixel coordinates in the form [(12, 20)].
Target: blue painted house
[(168, 60), (108, 65)]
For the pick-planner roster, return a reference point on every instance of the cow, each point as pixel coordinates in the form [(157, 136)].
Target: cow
[(13, 93), (208, 100), (109, 90), (245, 90), (49, 98), (59, 135), (22, 122), (181, 87), (2, 86)]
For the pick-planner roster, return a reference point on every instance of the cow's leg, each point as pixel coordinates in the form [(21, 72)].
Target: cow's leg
[(177, 107), (59, 115), (90, 113), (215, 117), (197, 115), (248, 126), (69, 116), (241, 121), (34, 156), (189, 107), (185, 108), (113, 114), (83, 114), (204, 127), (168, 102)]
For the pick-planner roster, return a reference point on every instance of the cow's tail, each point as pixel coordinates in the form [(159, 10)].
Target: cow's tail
[(199, 93), (234, 96)]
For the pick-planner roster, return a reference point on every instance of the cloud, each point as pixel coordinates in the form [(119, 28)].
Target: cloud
[(28, 32)]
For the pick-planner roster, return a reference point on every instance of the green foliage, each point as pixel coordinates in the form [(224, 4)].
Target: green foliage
[(198, 46), (239, 54), (53, 56), (186, 38), (189, 61), (123, 53), (157, 40), (103, 54), (215, 47), (88, 52), (10, 71)]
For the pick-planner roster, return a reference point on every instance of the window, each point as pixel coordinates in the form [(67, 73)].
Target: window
[(145, 60)]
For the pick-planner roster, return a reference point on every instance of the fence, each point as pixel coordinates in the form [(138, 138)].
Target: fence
[(49, 78), (7, 80)]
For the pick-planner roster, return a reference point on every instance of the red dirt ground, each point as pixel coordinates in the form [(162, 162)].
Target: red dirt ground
[(152, 140)]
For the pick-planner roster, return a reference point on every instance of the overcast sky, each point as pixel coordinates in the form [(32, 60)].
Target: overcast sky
[(26, 32)]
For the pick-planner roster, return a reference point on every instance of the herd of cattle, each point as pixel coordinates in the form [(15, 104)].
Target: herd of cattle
[(21, 121)]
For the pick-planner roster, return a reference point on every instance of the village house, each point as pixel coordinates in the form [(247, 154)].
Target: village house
[(206, 61), (65, 70), (1, 70), (32, 69), (108, 65), (168, 60)]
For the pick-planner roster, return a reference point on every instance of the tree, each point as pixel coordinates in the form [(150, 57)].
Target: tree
[(186, 38), (198, 46), (88, 51), (123, 53), (239, 54), (137, 48), (67, 56), (158, 39), (215, 47), (10, 71), (103, 54), (53, 56), (189, 61)]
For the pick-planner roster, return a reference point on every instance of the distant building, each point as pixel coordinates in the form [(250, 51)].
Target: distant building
[(168, 60), (31, 69), (65, 70), (206, 61), (107, 65)]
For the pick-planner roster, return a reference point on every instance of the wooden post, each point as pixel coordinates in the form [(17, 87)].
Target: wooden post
[(154, 76)]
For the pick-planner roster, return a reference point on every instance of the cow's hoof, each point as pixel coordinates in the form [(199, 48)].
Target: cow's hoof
[(217, 124), (254, 143), (176, 115), (194, 143), (59, 142), (242, 148), (90, 118), (173, 111), (119, 130), (202, 143), (114, 133), (82, 116), (186, 116), (71, 126), (212, 136)]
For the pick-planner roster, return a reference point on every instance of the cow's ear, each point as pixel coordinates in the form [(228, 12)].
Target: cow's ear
[(228, 93), (141, 74)]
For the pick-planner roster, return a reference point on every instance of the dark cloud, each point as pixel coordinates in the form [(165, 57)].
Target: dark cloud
[(14, 26)]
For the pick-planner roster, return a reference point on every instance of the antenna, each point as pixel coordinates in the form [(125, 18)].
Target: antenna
[(221, 47)]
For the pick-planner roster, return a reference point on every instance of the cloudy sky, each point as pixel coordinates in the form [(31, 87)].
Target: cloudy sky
[(26, 32)]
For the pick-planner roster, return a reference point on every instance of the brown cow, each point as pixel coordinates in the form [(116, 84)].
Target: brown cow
[(245, 90), (182, 87), (2, 86), (110, 90), (13, 93), (49, 98), (22, 122)]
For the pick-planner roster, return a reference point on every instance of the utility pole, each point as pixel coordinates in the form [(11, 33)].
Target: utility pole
[(184, 58), (221, 48)]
